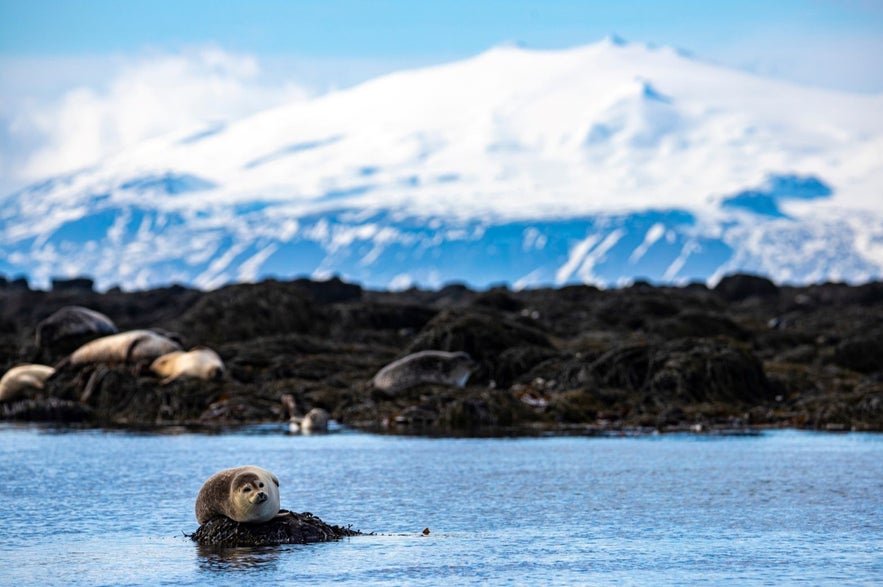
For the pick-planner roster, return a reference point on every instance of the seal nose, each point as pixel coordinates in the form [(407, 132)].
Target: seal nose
[(262, 497)]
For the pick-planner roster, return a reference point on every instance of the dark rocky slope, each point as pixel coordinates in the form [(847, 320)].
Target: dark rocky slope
[(747, 353)]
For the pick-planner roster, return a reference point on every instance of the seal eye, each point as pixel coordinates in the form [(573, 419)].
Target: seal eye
[(260, 484), (246, 489)]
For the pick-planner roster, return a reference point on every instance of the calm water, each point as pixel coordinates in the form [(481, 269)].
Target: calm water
[(99, 508)]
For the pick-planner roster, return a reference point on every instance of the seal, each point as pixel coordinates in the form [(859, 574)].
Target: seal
[(126, 347), (73, 322), (16, 382), (439, 367), (313, 422), (243, 494), (198, 363)]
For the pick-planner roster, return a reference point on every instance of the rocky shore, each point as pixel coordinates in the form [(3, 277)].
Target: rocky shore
[(746, 354)]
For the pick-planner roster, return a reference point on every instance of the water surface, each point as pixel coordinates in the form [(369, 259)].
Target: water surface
[(112, 508)]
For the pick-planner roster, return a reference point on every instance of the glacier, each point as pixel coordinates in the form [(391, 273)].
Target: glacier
[(600, 164)]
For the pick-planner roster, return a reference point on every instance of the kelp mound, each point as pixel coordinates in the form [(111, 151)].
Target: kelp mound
[(286, 528)]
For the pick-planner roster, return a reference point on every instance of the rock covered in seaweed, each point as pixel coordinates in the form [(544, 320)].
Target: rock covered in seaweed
[(286, 528)]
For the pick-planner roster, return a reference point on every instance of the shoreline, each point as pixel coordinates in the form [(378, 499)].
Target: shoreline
[(745, 355)]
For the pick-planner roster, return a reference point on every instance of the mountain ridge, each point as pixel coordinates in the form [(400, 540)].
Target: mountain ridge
[(624, 161)]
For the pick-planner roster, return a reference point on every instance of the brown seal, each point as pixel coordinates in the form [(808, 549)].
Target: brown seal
[(439, 367), (243, 494), (198, 363), (16, 382), (126, 347)]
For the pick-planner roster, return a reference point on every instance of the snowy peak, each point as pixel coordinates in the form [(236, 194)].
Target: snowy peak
[(598, 163)]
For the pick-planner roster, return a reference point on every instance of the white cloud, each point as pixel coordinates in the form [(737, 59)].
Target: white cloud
[(46, 130)]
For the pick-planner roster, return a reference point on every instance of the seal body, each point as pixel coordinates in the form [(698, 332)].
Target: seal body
[(438, 367), (126, 347), (16, 382), (243, 494), (73, 322), (198, 363)]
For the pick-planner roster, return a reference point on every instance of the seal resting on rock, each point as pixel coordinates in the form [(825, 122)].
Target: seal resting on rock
[(438, 367), (243, 494), (22, 378), (126, 347), (198, 363), (73, 322)]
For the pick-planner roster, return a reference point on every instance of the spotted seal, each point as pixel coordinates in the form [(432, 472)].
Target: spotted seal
[(439, 367), (243, 494)]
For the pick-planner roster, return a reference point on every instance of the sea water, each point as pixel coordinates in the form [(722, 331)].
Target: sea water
[(777, 508)]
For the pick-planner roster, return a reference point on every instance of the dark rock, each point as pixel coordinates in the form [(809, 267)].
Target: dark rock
[(741, 286), (50, 409), (697, 323), (286, 528), (74, 284), (862, 352), (241, 312), (331, 291)]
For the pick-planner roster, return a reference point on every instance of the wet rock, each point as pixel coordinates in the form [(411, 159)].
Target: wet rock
[(286, 528), (46, 410)]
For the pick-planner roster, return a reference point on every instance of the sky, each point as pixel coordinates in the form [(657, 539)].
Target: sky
[(81, 79)]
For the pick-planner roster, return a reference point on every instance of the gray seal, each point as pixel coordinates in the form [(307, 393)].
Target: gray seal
[(73, 322), (438, 367), (243, 494)]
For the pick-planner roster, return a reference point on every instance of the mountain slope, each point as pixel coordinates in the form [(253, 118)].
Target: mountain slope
[(595, 164)]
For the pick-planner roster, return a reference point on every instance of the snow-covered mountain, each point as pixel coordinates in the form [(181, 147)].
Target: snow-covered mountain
[(597, 164)]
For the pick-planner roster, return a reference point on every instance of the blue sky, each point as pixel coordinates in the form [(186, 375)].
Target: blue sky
[(70, 66)]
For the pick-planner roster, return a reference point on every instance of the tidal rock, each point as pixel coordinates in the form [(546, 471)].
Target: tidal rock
[(286, 528)]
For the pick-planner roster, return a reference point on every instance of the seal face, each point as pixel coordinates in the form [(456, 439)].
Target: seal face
[(243, 494), (73, 322), (126, 347), (16, 382), (198, 363), (439, 367)]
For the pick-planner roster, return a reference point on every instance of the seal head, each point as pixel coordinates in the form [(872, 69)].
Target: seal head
[(243, 494)]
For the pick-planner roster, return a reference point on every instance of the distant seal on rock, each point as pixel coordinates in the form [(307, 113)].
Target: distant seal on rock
[(71, 322), (198, 363), (22, 378), (313, 422), (438, 367), (126, 347), (243, 494)]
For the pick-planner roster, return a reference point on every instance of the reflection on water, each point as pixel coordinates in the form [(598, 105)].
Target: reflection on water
[(213, 559), (99, 508)]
